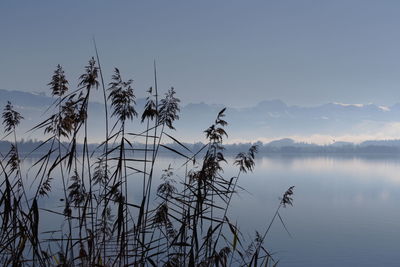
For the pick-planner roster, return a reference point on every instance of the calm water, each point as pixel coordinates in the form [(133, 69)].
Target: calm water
[(346, 209)]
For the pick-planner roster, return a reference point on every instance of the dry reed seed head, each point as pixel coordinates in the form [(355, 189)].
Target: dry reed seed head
[(258, 239), (167, 173), (161, 218), (122, 97), (69, 118), (88, 80), (211, 166), (13, 161), (150, 110), (215, 133), (11, 118), (77, 194), (100, 176), (240, 161), (252, 151), (219, 120), (63, 123), (45, 187), (58, 84), (287, 198), (245, 161), (168, 109), (167, 189), (106, 222)]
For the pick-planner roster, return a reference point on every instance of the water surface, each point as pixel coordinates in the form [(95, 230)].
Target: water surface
[(346, 208)]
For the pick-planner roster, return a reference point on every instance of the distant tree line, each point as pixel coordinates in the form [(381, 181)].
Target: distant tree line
[(38, 147)]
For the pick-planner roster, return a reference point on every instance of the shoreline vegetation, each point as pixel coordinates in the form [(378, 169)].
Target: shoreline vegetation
[(184, 221)]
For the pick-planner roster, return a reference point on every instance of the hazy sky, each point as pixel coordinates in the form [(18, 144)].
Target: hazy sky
[(229, 52)]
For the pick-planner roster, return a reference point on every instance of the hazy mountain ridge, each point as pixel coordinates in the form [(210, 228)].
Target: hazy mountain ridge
[(274, 119), (269, 119)]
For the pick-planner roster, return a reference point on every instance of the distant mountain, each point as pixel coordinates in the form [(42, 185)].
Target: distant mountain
[(36, 107), (268, 120), (282, 142), (25, 99), (274, 119)]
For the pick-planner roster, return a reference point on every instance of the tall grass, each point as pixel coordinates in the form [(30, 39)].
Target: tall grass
[(182, 222)]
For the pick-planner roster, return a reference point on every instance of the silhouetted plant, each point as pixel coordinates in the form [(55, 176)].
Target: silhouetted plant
[(58, 84), (88, 80), (122, 97), (150, 109), (11, 118), (179, 223), (168, 109)]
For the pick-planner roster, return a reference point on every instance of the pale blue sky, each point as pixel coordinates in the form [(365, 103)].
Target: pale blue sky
[(229, 52)]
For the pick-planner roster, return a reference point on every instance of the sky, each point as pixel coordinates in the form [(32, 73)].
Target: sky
[(235, 53)]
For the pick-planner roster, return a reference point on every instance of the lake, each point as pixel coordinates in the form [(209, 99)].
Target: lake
[(346, 208)]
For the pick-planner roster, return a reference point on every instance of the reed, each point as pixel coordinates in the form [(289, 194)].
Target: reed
[(181, 222)]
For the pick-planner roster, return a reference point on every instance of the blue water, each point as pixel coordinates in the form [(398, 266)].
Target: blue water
[(346, 209)]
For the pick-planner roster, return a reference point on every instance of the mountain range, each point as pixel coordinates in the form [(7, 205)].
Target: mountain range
[(268, 120)]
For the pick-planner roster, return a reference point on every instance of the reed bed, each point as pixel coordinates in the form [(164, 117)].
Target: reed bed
[(178, 223)]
